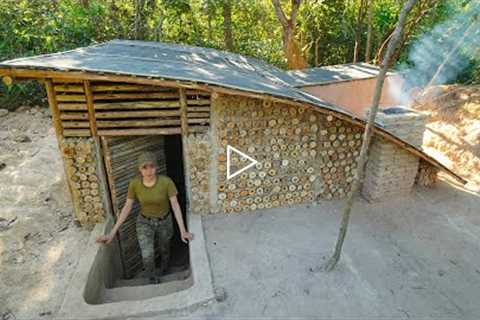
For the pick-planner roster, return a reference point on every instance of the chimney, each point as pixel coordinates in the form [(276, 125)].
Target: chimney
[(391, 170)]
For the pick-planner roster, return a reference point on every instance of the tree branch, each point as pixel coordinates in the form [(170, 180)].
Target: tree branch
[(293, 14), (279, 12)]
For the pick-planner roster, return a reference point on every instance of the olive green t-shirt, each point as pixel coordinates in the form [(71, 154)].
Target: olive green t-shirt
[(154, 200)]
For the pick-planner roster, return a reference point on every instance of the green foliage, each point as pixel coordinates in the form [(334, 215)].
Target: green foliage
[(28, 93), (30, 27)]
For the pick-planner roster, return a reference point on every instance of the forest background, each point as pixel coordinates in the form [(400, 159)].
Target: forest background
[(290, 34)]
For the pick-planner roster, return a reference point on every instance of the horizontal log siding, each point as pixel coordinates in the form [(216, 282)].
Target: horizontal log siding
[(123, 109)]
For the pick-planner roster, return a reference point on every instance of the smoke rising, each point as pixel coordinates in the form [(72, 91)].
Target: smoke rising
[(440, 55)]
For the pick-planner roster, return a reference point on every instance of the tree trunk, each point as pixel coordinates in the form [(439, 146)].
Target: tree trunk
[(159, 27), (358, 31), (227, 24), (113, 19), (209, 20), (85, 3), (139, 20), (317, 52), (367, 135), (423, 9), (368, 45), (291, 48)]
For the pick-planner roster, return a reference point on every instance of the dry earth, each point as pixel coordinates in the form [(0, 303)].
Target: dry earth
[(39, 241)]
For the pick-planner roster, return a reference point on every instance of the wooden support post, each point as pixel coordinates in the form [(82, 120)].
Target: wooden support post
[(109, 174), (52, 102), (90, 107), (185, 146), (102, 177), (183, 112), (57, 124), (106, 179)]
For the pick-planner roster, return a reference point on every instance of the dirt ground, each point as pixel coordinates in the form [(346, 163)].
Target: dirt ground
[(413, 257), (39, 241), (416, 257)]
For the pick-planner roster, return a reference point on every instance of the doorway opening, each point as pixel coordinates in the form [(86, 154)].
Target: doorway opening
[(121, 155)]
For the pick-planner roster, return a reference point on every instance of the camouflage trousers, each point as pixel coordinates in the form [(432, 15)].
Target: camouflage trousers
[(151, 234)]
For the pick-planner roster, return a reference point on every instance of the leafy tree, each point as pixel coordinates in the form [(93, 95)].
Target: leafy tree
[(324, 31)]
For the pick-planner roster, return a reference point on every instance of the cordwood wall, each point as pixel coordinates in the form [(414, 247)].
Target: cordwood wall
[(302, 154), (85, 179)]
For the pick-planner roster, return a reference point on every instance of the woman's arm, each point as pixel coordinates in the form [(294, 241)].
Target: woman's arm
[(127, 208), (184, 235)]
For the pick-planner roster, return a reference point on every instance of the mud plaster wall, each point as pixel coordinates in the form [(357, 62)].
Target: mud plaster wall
[(81, 167), (339, 93), (302, 154)]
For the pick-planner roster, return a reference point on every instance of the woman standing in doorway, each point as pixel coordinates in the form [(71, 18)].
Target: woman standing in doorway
[(155, 193)]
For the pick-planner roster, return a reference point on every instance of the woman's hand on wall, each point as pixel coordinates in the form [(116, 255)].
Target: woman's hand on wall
[(186, 236)]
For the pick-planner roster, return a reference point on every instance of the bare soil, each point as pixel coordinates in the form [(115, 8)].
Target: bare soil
[(39, 240)]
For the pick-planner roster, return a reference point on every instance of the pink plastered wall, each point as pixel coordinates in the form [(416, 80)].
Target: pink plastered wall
[(356, 96)]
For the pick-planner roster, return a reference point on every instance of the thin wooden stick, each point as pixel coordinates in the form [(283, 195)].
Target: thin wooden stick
[(76, 132), (367, 137), (121, 105), (139, 132), (119, 96)]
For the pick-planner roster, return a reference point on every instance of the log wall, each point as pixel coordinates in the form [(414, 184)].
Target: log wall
[(198, 150), (303, 155), (85, 179)]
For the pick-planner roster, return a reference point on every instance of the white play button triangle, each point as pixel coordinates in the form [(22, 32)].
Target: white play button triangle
[(229, 151)]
